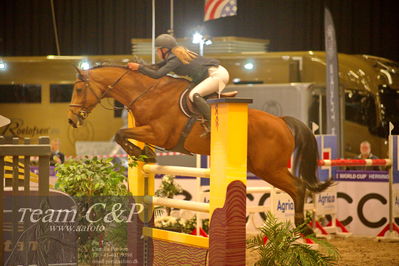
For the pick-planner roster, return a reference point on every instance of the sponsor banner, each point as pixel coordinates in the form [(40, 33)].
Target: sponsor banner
[(363, 207), (283, 207), (192, 191), (326, 201), (362, 176), (282, 204)]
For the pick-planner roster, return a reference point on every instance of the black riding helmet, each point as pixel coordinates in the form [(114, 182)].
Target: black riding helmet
[(165, 41)]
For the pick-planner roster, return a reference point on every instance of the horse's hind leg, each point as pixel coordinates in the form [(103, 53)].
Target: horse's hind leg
[(285, 181)]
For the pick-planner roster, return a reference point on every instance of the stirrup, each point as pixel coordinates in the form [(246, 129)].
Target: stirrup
[(205, 125)]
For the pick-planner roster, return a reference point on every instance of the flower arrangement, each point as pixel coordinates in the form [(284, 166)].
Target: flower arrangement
[(170, 223), (168, 189), (179, 224)]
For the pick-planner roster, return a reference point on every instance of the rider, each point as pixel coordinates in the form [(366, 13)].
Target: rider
[(206, 73)]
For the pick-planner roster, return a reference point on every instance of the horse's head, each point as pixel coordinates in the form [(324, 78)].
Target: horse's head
[(85, 97)]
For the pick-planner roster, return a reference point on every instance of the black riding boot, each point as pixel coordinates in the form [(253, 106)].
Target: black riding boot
[(202, 106)]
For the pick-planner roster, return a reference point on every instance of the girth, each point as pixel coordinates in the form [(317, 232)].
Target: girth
[(188, 110)]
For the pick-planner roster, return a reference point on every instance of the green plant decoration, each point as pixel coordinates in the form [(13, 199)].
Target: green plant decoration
[(91, 181), (168, 189), (277, 244)]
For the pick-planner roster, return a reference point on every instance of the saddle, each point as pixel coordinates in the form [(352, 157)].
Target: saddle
[(189, 110)]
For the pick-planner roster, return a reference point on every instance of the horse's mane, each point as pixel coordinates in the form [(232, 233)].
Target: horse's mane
[(134, 59), (106, 65)]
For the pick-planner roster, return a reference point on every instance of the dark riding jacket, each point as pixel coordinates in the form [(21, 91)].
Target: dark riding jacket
[(197, 69)]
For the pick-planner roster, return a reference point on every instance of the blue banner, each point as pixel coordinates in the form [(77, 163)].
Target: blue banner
[(332, 81), (327, 145), (361, 176)]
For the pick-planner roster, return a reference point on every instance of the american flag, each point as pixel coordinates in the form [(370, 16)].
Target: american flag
[(219, 8)]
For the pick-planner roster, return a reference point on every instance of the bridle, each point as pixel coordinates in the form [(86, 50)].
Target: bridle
[(85, 110)]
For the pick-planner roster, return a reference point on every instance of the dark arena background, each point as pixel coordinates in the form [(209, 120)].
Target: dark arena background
[(94, 27)]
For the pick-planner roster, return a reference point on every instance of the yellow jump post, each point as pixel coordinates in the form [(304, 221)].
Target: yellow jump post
[(229, 137), (227, 207)]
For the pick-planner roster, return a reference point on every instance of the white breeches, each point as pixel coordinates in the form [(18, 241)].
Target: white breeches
[(216, 82)]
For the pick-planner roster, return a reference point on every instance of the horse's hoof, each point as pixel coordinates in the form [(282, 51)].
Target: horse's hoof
[(132, 149), (307, 230), (147, 151), (150, 160), (151, 155)]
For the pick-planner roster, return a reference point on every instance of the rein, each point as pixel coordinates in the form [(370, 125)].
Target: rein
[(142, 94)]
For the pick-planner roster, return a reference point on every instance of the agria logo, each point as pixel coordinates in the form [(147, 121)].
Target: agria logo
[(283, 206), (323, 199)]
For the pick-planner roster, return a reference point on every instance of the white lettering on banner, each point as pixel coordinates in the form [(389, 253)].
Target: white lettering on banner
[(378, 176), (344, 176)]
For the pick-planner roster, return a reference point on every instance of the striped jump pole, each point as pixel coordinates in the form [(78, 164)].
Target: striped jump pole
[(356, 162), (227, 208)]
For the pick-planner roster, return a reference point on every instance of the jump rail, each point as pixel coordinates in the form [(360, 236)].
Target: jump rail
[(356, 162), (177, 170), (175, 203)]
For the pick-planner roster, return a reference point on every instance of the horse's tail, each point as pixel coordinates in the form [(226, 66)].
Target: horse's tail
[(306, 155)]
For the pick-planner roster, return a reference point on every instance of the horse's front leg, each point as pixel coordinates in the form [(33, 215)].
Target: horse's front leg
[(144, 134)]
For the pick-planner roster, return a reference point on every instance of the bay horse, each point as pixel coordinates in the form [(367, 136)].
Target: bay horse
[(159, 120)]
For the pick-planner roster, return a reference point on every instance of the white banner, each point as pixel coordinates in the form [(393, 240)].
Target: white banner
[(326, 201), (283, 207), (363, 206)]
